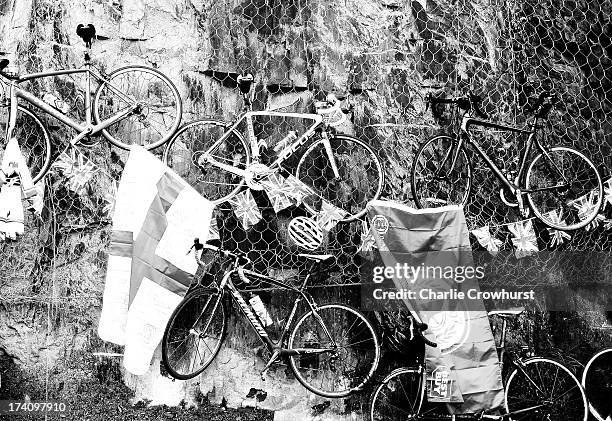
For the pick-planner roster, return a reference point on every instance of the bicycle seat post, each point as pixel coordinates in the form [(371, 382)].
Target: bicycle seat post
[(244, 84)]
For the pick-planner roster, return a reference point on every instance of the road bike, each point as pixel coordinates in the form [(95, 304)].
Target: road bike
[(332, 349), (132, 105), (217, 159), (562, 186), (536, 388), (597, 383)]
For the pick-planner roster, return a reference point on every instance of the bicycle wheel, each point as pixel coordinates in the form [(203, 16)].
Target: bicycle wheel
[(198, 137), (158, 102), (360, 175), (578, 202), (434, 183), (337, 350), (549, 388), (194, 333), (32, 137), (399, 397), (597, 383)]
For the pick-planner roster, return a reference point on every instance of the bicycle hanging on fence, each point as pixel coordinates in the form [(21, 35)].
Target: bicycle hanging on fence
[(597, 383), (214, 157), (562, 186), (536, 389), (332, 349), (132, 105)]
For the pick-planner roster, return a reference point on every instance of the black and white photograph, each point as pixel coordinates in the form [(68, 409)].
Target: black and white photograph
[(306, 210)]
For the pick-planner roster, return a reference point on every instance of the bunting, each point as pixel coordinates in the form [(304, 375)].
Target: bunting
[(77, 168), (485, 239), (245, 209), (557, 237)]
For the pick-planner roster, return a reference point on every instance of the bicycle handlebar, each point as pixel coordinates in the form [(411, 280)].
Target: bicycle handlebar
[(422, 327), (545, 102), (240, 257)]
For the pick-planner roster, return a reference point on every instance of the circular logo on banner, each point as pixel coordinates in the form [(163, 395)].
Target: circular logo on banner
[(380, 224), (450, 328)]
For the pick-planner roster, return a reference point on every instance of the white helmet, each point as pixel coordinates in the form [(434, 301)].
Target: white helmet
[(305, 232)]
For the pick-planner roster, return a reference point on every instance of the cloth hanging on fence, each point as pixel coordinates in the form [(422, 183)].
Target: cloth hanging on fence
[(11, 212), (13, 161), (157, 215), (18, 185), (464, 369)]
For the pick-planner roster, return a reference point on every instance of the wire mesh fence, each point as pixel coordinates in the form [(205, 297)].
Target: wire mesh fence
[(381, 58)]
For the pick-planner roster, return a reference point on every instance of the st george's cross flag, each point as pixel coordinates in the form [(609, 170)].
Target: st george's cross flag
[(426, 244), (157, 215)]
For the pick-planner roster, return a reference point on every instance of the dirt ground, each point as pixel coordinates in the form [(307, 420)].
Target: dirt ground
[(102, 396), (95, 402)]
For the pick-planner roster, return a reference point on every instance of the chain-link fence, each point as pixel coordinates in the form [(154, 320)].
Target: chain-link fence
[(382, 58)]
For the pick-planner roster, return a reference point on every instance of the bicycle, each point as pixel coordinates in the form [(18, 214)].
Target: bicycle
[(332, 349), (214, 157), (133, 104), (597, 383), (536, 388), (557, 179)]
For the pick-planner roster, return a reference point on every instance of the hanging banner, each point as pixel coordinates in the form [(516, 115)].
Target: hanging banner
[(157, 216), (418, 248)]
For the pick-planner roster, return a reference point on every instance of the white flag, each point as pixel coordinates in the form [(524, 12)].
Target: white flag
[(159, 216)]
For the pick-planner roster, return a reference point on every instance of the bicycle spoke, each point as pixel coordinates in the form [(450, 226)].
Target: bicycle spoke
[(205, 324), (208, 179)]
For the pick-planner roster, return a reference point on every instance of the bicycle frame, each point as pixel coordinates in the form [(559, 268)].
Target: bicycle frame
[(513, 185), (83, 128), (253, 319), (283, 155)]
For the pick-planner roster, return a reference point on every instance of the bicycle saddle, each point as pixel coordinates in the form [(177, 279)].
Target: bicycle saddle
[(86, 32), (511, 312), (244, 83)]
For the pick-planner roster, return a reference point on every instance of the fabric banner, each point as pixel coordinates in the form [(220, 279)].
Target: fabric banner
[(18, 185), (464, 368), (157, 215)]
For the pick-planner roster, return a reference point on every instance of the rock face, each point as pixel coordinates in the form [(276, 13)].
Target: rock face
[(383, 56)]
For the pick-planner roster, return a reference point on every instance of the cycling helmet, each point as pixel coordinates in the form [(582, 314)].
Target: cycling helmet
[(305, 232)]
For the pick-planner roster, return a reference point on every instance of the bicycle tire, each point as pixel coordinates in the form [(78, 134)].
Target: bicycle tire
[(569, 403), (33, 139), (182, 152), (361, 177), (428, 161), (356, 377), (185, 314), (572, 212), (154, 131), (399, 396), (597, 384)]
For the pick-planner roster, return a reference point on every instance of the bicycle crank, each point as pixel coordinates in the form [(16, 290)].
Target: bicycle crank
[(255, 173), (524, 211)]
